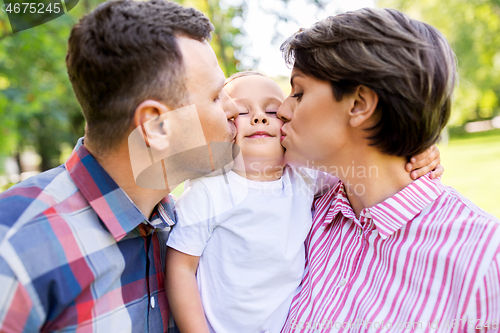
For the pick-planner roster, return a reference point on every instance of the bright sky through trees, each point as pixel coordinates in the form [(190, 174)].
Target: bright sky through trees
[(260, 28)]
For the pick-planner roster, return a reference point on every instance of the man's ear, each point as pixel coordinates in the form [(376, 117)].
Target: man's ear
[(365, 104), (149, 116)]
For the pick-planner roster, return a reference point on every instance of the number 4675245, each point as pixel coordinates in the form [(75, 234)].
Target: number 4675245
[(32, 8)]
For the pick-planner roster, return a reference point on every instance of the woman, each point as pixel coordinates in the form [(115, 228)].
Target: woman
[(370, 88)]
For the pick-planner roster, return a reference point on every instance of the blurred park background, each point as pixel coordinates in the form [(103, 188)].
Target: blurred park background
[(40, 119)]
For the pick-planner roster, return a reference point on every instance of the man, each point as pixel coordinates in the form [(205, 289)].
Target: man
[(80, 244), (385, 253)]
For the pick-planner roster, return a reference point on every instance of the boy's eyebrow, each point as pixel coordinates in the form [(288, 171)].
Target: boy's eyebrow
[(268, 99), (274, 99), (239, 99)]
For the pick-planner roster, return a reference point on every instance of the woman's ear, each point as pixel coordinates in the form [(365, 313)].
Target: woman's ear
[(149, 115), (365, 104)]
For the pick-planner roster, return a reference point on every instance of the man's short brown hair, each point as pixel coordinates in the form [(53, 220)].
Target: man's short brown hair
[(125, 52), (409, 64)]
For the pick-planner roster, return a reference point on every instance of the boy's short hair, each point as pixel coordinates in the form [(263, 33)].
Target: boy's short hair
[(243, 74), (409, 64), (125, 52)]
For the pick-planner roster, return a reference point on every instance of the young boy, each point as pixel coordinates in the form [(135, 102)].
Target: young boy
[(237, 253)]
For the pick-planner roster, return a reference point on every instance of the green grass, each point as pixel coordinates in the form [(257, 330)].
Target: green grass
[(472, 166)]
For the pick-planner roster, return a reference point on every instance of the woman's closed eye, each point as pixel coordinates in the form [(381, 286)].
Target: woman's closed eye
[(298, 96)]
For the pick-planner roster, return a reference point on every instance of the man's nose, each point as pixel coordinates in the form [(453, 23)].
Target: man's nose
[(228, 105), (284, 112)]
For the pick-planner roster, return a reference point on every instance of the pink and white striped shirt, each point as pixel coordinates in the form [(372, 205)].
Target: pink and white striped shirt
[(425, 260)]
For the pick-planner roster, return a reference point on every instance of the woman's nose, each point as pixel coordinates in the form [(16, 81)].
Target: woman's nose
[(284, 112)]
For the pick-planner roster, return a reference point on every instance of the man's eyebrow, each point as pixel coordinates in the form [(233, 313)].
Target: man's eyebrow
[(293, 76), (222, 84)]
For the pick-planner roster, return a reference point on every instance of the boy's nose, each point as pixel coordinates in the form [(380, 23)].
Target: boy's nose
[(260, 118)]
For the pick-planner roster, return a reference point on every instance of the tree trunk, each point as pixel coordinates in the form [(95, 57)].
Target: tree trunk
[(18, 158)]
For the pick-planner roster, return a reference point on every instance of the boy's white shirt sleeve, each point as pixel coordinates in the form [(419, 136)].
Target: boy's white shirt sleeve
[(321, 182), (195, 220)]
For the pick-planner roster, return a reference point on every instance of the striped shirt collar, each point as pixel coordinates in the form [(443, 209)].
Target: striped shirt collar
[(118, 213), (392, 214)]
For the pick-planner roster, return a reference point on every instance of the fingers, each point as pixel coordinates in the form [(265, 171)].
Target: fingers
[(423, 159), (431, 166), (438, 171)]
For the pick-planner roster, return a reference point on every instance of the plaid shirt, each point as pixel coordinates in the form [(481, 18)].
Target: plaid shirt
[(76, 254)]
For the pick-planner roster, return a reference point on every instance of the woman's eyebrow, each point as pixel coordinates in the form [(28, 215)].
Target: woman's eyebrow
[(294, 76)]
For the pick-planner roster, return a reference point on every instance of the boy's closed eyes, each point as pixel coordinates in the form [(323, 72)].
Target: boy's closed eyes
[(259, 129)]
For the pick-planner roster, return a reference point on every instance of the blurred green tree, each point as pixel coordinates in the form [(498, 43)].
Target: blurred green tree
[(227, 32), (37, 105), (473, 29)]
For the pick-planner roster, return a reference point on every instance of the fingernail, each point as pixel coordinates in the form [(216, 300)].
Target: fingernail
[(413, 160)]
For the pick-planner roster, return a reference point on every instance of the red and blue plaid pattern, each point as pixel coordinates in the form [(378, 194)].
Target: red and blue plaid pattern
[(77, 255)]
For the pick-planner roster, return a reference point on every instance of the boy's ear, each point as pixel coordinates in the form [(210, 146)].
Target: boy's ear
[(148, 116), (365, 104)]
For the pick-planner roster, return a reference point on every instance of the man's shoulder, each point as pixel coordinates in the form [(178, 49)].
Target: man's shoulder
[(29, 199)]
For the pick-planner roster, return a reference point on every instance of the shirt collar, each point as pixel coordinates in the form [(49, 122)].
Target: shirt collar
[(118, 213), (340, 204), (392, 214), (164, 215)]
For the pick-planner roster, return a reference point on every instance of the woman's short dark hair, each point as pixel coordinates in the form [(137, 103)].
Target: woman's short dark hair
[(124, 52), (409, 64)]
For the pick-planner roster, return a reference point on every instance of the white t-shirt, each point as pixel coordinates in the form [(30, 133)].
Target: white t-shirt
[(250, 236)]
